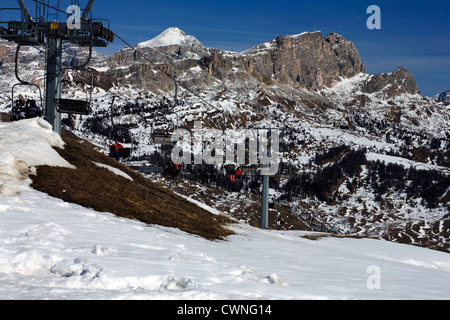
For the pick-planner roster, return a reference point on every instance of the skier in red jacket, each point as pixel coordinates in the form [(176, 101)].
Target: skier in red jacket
[(115, 150)]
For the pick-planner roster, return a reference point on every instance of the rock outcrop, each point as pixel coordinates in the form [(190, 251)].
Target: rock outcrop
[(392, 84), (307, 60), (304, 61)]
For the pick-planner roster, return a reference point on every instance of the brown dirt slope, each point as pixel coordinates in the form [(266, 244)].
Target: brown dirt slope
[(102, 190)]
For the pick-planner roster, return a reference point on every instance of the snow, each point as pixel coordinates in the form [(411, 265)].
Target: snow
[(303, 33), (261, 49), (171, 36), (114, 170), (51, 249), (36, 140), (405, 162)]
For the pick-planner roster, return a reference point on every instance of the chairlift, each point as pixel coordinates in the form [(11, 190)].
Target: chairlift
[(121, 134), (21, 109), (75, 106), (249, 169), (165, 138)]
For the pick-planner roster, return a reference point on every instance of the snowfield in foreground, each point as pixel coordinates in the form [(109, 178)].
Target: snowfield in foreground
[(50, 249)]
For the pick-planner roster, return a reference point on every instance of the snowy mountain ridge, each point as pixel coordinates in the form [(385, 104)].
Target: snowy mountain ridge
[(314, 86), (169, 37)]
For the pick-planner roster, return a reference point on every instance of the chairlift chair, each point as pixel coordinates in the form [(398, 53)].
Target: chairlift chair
[(25, 109), (120, 133), (75, 106), (125, 152), (22, 109), (165, 138), (249, 169), (117, 134)]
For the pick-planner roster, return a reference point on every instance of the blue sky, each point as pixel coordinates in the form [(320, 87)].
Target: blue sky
[(413, 34)]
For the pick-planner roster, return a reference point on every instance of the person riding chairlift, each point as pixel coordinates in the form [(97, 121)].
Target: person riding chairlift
[(232, 175), (238, 174), (32, 109), (115, 150), (19, 111)]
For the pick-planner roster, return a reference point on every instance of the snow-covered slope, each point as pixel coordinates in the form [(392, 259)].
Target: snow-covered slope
[(23, 146), (50, 249)]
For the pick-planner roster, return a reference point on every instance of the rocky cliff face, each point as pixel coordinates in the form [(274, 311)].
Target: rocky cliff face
[(306, 76), (307, 60), (295, 72), (32, 61), (304, 61), (392, 84)]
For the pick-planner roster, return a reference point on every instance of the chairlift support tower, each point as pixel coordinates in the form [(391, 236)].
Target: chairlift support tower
[(42, 31), (265, 181)]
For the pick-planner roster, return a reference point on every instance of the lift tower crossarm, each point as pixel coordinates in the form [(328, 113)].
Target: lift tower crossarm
[(28, 31), (88, 9), (25, 12)]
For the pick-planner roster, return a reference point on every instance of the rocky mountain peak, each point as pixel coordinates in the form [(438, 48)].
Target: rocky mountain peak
[(307, 60), (171, 45), (392, 84), (169, 37)]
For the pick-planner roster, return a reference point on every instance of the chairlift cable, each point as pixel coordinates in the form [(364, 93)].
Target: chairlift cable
[(160, 69), (140, 53)]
